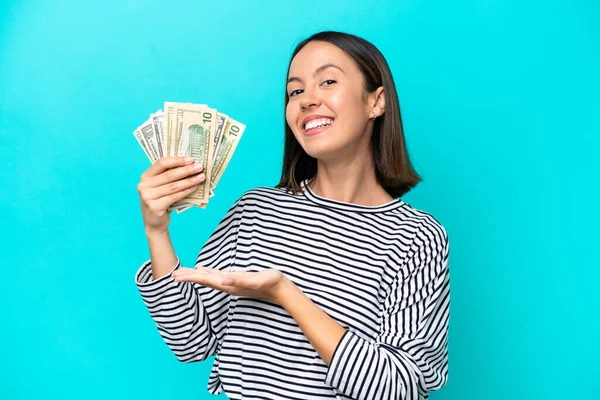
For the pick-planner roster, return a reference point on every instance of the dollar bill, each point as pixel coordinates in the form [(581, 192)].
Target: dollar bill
[(231, 137), (196, 127), (157, 128), (221, 124), (221, 121), (183, 208), (169, 129), (140, 138), (147, 132)]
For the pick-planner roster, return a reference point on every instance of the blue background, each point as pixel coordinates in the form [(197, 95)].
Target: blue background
[(500, 101)]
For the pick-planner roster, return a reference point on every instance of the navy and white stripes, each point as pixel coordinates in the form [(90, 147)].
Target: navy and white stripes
[(381, 272)]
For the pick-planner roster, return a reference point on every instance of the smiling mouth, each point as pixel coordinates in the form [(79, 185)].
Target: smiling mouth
[(317, 125)]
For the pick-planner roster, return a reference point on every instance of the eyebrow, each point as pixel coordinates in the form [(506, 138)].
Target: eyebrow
[(321, 68)]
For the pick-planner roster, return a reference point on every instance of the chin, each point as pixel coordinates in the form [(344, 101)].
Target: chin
[(321, 147), (321, 152)]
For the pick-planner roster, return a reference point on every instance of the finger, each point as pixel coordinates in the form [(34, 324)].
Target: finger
[(175, 187), (187, 271), (166, 163), (201, 272), (174, 174), (205, 277), (166, 201)]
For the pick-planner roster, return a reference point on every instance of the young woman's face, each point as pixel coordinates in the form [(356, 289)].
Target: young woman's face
[(328, 109)]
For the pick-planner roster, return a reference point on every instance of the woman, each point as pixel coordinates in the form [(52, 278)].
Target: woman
[(327, 285)]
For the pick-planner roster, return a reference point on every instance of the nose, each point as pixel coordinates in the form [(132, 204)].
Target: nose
[(309, 99)]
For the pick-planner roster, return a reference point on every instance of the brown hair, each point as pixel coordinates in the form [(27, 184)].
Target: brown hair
[(393, 168)]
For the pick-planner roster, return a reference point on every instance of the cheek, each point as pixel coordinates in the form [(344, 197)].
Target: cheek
[(291, 116), (348, 109), (335, 101), (345, 101)]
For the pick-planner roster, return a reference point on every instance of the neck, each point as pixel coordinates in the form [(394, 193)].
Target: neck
[(350, 180)]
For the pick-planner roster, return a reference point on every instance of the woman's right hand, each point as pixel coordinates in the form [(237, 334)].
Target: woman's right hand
[(168, 180)]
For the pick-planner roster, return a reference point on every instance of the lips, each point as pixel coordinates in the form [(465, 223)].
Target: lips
[(314, 131), (313, 124)]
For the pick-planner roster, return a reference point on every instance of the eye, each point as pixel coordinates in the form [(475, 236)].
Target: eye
[(328, 82), (294, 92)]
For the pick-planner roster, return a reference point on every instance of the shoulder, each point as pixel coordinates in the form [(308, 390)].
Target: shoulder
[(423, 225), (428, 244)]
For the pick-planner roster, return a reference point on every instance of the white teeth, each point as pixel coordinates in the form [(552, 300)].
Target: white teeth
[(315, 123)]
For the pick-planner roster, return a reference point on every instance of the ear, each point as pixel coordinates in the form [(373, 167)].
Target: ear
[(378, 101)]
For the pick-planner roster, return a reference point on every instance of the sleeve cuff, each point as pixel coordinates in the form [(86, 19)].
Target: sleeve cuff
[(335, 370), (143, 277), (382, 363)]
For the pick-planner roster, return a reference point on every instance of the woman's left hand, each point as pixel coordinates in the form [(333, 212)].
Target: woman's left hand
[(265, 284)]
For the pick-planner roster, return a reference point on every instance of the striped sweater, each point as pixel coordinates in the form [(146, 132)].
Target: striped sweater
[(381, 272)]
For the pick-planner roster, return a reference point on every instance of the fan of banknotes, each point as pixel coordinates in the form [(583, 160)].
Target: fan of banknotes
[(192, 130)]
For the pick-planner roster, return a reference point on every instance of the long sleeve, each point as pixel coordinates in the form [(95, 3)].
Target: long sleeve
[(409, 356), (191, 318)]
